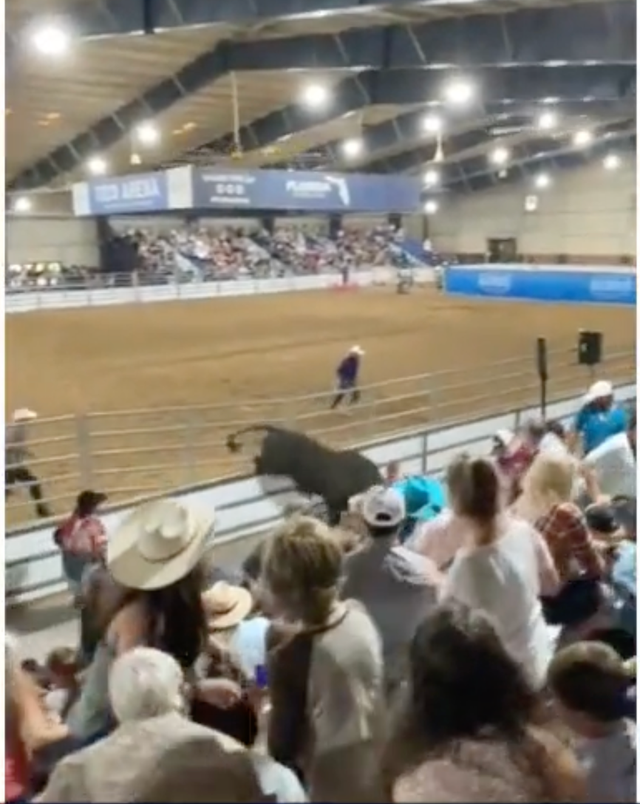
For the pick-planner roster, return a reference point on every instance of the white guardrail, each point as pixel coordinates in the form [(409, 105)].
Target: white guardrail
[(32, 562), (52, 299)]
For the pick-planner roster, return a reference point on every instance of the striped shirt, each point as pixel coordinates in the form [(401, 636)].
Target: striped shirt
[(565, 531)]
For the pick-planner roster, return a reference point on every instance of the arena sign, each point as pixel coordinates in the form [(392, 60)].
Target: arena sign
[(304, 191), (261, 191)]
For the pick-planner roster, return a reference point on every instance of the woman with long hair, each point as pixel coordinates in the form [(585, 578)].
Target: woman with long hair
[(501, 567), (546, 502), (324, 668), (466, 727), (154, 558)]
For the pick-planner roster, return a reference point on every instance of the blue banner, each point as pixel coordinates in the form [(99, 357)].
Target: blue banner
[(304, 191), (143, 192), (542, 283)]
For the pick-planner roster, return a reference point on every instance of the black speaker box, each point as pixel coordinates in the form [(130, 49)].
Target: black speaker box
[(589, 348)]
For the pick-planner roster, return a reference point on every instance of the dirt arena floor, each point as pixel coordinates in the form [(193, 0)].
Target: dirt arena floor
[(232, 358)]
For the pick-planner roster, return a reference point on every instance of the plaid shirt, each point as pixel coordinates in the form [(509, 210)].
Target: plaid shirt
[(86, 537), (565, 531)]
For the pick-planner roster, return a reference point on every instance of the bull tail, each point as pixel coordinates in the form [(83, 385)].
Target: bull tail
[(233, 443)]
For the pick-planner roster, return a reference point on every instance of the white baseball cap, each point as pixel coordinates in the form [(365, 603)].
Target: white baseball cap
[(599, 390), (383, 507), (505, 437), (356, 350)]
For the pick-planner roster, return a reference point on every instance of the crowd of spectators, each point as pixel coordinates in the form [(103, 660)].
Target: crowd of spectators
[(207, 252), (485, 653)]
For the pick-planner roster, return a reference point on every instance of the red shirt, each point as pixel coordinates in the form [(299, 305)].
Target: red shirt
[(82, 536), (16, 770)]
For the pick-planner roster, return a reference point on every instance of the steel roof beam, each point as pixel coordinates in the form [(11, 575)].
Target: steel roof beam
[(112, 18), (497, 90), (562, 34), (529, 153)]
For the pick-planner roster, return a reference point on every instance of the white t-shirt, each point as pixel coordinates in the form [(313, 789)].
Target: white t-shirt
[(502, 579), (614, 465), (551, 444)]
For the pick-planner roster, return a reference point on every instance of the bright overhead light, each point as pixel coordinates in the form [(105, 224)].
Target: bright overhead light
[(147, 134), (352, 147), (135, 160), (458, 92), (22, 204), (432, 124), (542, 180), (499, 155), (51, 40), (97, 166), (582, 138), (547, 120), (315, 96), (431, 178), (611, 162), (430, 207)]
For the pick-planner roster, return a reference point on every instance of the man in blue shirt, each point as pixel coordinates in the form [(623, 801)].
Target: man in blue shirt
[(347, 377), (599, 418)]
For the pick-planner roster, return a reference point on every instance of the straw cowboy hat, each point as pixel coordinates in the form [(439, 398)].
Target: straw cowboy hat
[(157, 544), (24, 415), (226, 606), (356, 350)]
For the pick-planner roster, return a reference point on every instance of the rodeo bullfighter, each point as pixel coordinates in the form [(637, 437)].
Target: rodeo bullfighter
[(334, 475)]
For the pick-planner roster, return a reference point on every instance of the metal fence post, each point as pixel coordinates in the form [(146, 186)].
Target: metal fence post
[(425, 453), (85, 458)]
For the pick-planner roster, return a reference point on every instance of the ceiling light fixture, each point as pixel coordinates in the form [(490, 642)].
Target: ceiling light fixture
[(147, 134), (582, 138), (315, 96), (22, 204), (51, 40), (97, 166), (458, 92), (430, 207), (432, 124), (431, 178), (611, 162), (547, 120), (352, 147), (499, 155), (542, 181)]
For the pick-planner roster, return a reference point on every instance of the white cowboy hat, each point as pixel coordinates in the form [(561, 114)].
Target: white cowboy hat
[(599, 390), (356, 350), (226, 605), (24, 414), (157, 544)]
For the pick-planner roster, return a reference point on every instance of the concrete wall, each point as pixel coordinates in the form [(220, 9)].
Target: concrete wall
[(52, 239), (585, 213)]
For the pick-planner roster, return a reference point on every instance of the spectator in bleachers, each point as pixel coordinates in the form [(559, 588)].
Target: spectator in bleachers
[(397, 586), (502, 568), (147, 696), (468, 728), (324, 668), (599, 417), (29, 727), (154, 555), (610, 468), (589, 683)]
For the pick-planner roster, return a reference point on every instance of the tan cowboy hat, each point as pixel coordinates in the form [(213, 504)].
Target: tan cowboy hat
[(24, 415), (226, 606), (356, 350), (157, 544)]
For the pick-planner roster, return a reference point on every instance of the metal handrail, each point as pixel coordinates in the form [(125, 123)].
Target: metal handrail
[(96, 449)]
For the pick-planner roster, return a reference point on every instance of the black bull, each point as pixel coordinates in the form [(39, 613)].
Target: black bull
[(335, 475)]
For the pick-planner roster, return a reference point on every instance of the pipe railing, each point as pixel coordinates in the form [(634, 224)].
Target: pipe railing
[(131, 452)]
